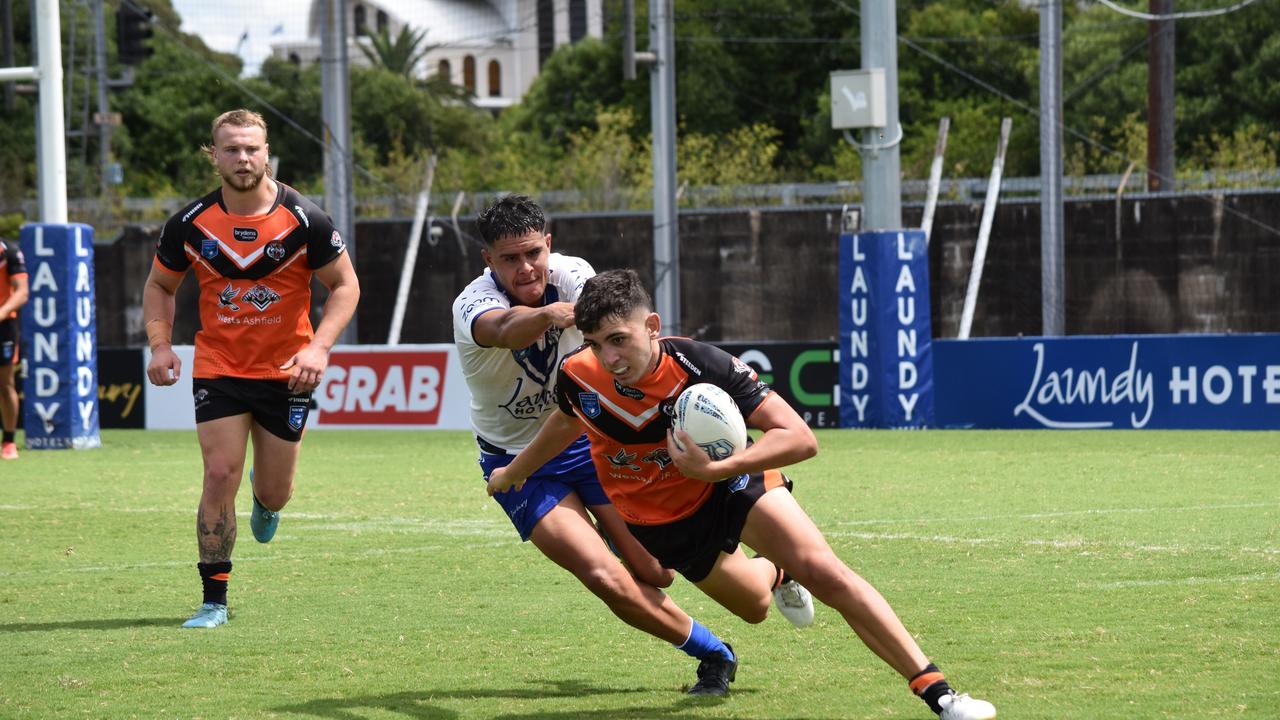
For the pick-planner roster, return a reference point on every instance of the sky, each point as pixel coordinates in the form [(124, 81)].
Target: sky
[(222, 24)]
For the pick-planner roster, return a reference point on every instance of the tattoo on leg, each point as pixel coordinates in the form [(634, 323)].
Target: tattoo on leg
[(217, 539)]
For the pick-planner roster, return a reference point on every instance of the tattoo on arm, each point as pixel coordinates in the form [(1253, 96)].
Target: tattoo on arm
[(215, 539)]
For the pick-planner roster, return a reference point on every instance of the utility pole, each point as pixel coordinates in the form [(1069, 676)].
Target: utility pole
[(881, 166), (103, 127), (1160, 64), (662, 98), (6, 19), (1052, 253), (335, 106)]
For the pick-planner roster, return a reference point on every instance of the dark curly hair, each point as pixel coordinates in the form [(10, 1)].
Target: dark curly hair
[(611, 294), (510, 216)]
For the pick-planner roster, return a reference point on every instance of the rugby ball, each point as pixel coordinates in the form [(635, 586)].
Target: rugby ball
[(712, 419)]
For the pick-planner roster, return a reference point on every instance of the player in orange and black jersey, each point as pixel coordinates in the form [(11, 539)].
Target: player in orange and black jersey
[(254, 245), (691, 512), (13, 295)]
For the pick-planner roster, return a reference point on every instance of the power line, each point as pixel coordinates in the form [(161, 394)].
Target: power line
[(1177, 16), (1066, 128)]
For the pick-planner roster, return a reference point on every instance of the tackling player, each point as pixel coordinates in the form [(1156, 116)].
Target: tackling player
[(691, 512), (512, 326), (254, 244)]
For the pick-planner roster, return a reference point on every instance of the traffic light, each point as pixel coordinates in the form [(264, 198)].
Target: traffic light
[(133, 29)]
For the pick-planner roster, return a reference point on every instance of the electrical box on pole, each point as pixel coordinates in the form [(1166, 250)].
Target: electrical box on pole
[(858, 99), (133, 29)]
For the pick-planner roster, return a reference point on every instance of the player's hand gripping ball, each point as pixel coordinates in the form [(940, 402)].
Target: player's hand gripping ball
[(712, 419)]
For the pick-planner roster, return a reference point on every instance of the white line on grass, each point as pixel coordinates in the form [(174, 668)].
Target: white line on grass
[(1063, 513), (1072, 543), (364, 554), (1121, 584)]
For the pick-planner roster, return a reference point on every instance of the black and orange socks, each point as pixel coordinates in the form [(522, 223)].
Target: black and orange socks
[(214, 577), (930, 684)]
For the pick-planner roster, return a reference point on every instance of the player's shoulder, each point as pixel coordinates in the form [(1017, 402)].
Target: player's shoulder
[(480, 294), (694, 356), (300, 206), (192, 210), (580, 358), (569, 265)]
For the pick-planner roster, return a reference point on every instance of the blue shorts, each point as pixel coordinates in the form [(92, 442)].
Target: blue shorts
[(570, 471)]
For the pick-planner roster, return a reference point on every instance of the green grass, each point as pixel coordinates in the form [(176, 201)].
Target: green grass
[(1082, 575)]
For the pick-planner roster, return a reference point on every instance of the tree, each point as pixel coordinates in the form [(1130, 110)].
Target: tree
[(401, 55)]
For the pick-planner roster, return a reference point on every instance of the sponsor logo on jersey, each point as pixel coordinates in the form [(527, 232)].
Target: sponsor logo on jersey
[(245, 234), (275, 250), (668, 407), (743, 369), (739, 482), (590, 404), (626, 391), (336, 240), (382, 388), (303, 215), (209, 248), (659, 457), (192, 212), (227, 297), (688, 364), (529, 406), (622, 459), (261, 297)]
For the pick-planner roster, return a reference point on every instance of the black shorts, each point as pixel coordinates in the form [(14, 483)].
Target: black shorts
[(10, 342), (277, 409), (691, 546)]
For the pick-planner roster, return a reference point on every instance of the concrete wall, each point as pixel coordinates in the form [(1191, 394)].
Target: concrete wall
[(1149, 265)]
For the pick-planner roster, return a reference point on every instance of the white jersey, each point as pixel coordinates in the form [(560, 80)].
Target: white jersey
[(513, 390)]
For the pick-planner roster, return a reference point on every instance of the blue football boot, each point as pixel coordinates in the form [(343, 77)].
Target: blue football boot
[(210, 615), (262, 521)]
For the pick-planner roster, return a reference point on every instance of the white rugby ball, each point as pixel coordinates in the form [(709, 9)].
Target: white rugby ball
[(712, 419)]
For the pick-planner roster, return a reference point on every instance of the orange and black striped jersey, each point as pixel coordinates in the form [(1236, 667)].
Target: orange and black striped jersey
[(628, 425), (255, 279), (11, 266)]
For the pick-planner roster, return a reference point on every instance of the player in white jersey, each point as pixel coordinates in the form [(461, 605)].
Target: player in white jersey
[(512, 326)]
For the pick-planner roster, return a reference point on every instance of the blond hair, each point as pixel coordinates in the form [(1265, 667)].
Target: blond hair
[(236, 118)]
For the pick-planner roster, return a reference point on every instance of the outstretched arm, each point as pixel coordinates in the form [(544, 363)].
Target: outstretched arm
[(556, 434), (520, 326)]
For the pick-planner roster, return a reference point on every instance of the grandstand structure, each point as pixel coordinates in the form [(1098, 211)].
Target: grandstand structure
[(494, 48)]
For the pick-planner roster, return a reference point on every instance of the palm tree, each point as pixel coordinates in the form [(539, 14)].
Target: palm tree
[(400, 55)]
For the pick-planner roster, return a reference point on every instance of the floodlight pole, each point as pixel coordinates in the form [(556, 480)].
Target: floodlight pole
[(335, 106), (662, 93), (1052, 255), (882, 188)]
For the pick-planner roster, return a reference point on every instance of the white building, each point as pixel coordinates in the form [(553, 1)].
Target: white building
[(492, 47)]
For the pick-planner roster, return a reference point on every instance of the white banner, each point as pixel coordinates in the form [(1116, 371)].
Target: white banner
[(405, 387)]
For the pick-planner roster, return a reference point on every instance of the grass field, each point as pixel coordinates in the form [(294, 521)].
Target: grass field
[(1061, 575)]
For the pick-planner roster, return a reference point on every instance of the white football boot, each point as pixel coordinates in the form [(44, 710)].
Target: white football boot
[(963, 707), (795, 603)]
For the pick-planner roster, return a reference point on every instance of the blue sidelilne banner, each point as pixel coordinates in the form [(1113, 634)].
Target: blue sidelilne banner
[(886, 360), (60, 338), (1229, 382)]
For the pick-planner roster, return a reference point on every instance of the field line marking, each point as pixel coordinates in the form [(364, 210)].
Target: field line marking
[(1062, 513), (370, 553)]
